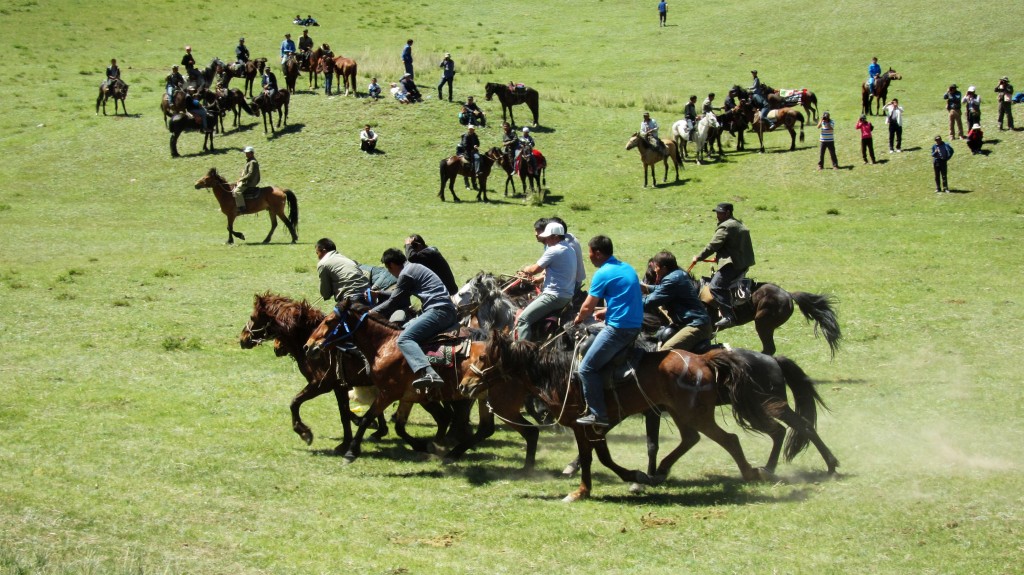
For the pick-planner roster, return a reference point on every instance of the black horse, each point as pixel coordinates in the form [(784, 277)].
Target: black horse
[(880, 91), (266, 105), (116, 90), (512, 96), (182, 123)]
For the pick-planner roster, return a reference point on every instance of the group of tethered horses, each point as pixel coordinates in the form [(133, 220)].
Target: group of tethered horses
[(351, 348)]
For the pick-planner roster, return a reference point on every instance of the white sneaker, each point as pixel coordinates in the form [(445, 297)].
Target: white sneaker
[(890, 150)]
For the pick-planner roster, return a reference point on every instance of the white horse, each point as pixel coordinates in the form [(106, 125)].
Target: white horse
[(703, 132)]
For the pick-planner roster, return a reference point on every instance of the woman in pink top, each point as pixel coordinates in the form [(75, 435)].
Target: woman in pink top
[(866, 143)]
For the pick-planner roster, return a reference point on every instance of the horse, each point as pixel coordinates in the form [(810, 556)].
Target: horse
[(271, 198), (346, 72), (311, 64), (117, 90), (770, 306), (733, 122), (507, 164), (291, 68), (707, 129), (171, 106), (288, 323), (232, 99), (202, 79), (454, 166), (880, 91), (787, 117), (532, 169), (684, 385), (650, 157), (510, 97), (253, 68), (807, 99), (183, 123), (266, 105), (374, 337)]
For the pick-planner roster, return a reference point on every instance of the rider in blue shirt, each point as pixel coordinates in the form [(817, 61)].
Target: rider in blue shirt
[(287, 48), (874, 70)]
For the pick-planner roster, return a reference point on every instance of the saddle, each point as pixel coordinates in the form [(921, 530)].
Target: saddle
[(621, 369), (793, 97), (773, 115), (445, 348), (740, 290), (253, 193), (517, 89)]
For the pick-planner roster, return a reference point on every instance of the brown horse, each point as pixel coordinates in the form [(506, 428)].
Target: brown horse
[(375, 338), (272, 199), (684, 385), (513, 97), (787, 117), (288, 323), (451, 168), (880, 92), (116, 90), (650, 157), (346, 71), (266, 105), (806, 98), (171, 106), (311, 64), (253, 68)]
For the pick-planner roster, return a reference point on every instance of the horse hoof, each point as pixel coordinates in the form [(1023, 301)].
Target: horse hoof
[(570, 469), (636, 488), (307, 437)]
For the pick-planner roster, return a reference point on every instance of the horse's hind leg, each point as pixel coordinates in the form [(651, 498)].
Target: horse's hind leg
[(709, 427), (799, 425), (766, 331), (273, 226)]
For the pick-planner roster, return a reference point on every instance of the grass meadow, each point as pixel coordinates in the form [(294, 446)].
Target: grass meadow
[(137, 437)]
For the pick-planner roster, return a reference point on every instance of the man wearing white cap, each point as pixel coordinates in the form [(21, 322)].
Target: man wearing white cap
[(447, 75), (250, 178), (558, 262), (972, 103)]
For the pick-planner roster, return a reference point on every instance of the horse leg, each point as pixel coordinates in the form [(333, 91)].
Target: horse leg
[(766, 331), (586, 458), (232, 234), (309, 392), (345, 413), (706, 424), (801, 426), (688, 437), (273, 224), (652, 424), (664, 177), (355, 447), (628, 475)]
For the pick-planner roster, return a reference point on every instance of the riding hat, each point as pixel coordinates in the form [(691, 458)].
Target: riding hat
[(552, 229), (447, 54), (723, 208), (970, 88), (976, 127), (753, 71), (526, 130), (1004, 79), (248, 150)]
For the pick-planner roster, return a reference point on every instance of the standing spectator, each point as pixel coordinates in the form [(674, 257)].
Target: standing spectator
[(874, 71), (327, 64), (1004, 98), (708, 105), (617, 284), (340, 277), (287, 48), (418, 252), (662, 13), (972, 101), (373, 90), (867, 143), (941, 153), (953, 100), (894, 118), (974, 139), (407, 56), (368, 140), (447, 75), (827, 141), (558, 262)]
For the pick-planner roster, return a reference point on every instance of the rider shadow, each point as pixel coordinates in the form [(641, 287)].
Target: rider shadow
[(289, 129), (215, 152)]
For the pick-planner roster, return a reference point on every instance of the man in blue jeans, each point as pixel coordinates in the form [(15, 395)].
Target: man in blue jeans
[(618, 285), (437, 313)]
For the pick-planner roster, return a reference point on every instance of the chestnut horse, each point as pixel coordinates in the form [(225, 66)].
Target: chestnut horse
[(510, 97), (272, 199), (346, 70), (288, 324), (787, 117), (116, 90), (880, 92), (451, 168), (265, 105), (375, 338), (650, 157), (684, 385), (291, 68), (253, 68)]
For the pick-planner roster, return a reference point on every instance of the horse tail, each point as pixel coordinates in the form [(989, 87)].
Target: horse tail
[(800, 117), (818, 308), (732, 375), (293, 210), (807, 400)]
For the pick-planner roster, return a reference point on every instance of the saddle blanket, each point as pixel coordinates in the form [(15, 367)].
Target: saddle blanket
[(793, 96), (442, 355)]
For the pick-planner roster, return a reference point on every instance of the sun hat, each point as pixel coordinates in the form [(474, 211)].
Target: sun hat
[(447, 54), (552, 229), (970, 88), (248, 150), (976, 127), (526, 130), (723, 207)]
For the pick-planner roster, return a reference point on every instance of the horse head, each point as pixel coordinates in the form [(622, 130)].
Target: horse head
[(484, 366), (337, 327), (634, 141), (211, 179), (261, 321), (490, 89)]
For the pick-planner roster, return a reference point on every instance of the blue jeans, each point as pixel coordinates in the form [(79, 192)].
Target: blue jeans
[(327, 84), (609, 342), (430, 323), (540, 308)]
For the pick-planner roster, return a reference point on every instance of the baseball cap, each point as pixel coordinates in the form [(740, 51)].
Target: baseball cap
[(552, 229), (723, 207)]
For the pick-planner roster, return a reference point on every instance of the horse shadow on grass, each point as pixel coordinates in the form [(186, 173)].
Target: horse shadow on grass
[(284, 131), (213, 152)]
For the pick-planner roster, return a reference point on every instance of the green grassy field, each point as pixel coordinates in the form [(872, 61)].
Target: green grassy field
[(137, 437)]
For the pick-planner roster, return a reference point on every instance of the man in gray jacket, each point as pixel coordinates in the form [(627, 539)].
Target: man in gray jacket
[(340, 277), (735, 254)]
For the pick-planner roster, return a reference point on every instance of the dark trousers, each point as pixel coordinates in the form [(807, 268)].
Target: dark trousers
[(895, 133), (719, 288), (1005, 110), (831, 147), (368, 146), (445, 80), (408, 69), (867, 145), (974, 146), (661, 18), (940, 173)]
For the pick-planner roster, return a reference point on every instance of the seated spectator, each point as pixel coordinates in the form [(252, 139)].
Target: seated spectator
[(399, 93), (974, 138), (412, 92), (368, 140), (471, 114), (373, 90)]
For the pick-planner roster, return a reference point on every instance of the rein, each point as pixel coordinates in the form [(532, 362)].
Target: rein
[(258, 335), (335, 335)]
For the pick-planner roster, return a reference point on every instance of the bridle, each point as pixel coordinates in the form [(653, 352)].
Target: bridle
[(342, 331), (257, 335)]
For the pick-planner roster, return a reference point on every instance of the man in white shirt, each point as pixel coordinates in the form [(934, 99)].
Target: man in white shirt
[(558, 263)]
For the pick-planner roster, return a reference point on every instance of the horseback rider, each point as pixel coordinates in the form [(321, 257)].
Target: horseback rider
[(269, 82), (287, 49), (194, 106), (472, 114), (690, 115), (438, 313), (708, 106), (649, 132), (241, 53), (305, 47), (340, 277), (113, 74), (525, 145), (509, 142), (874, 71), (469, 148), (174, 82), (418, 252), (735, 255), (760, 99), (189, 63), (250, 178), (676, 295), (558, 263)]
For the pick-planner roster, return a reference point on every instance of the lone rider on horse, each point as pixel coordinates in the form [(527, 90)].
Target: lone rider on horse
[(649, 131), (735, 255), (760, 99)]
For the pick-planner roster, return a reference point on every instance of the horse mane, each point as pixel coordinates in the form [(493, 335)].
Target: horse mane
[(213, 174), (294, 320), (361, 309), (548, 367)]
